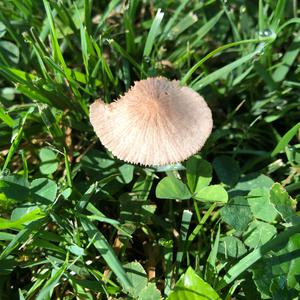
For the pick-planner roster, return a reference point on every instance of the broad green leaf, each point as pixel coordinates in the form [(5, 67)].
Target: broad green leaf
[(198, 173), (294, 266), (97, 164), (21, 211), (49, 161), (250, 182), (21, 217), (126, 172), (279, 289), (192, 287), (9, 53), (150, 292), (258, 233), (237, 206), (212, 193), (231, 247), (172, 188), (137, 276), (76, 250), (262, 275), (260, 205), (250, 259), (283, 203), (43, 191), (169, 168), (277, 275), (14, 187), (227, 169)]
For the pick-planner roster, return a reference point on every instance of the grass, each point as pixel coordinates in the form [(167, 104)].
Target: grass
[(76, 223)]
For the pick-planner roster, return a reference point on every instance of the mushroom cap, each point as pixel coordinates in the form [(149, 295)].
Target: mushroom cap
[(157, 122)]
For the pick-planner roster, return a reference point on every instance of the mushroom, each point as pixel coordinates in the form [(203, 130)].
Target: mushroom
[(157, 122)]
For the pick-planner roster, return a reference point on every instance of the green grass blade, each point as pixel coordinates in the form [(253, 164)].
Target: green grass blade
[(57, 54), (16, 75), (278, 14), (173, 19), (86, 197), (16, 140), (287, 60), (105, 250), (261, 16), (88, 4), (31, 216), (49, 286), (167, 246), (188, 75), (286, 139), (22, 236), (212, 77), (203, 30), (154, 30), (51, 122), (21, 296), (111, 5), (183, 25), (68, 169), (232, 22), (185, 224), (289, 22), (202, 222), (262, 71), (119, 49), (211, 268), (6, 118)]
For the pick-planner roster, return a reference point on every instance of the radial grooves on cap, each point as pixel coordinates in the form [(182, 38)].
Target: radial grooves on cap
[(156, 122)]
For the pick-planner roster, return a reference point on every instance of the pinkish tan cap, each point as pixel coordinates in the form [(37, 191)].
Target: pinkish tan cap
[(157, 122)]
